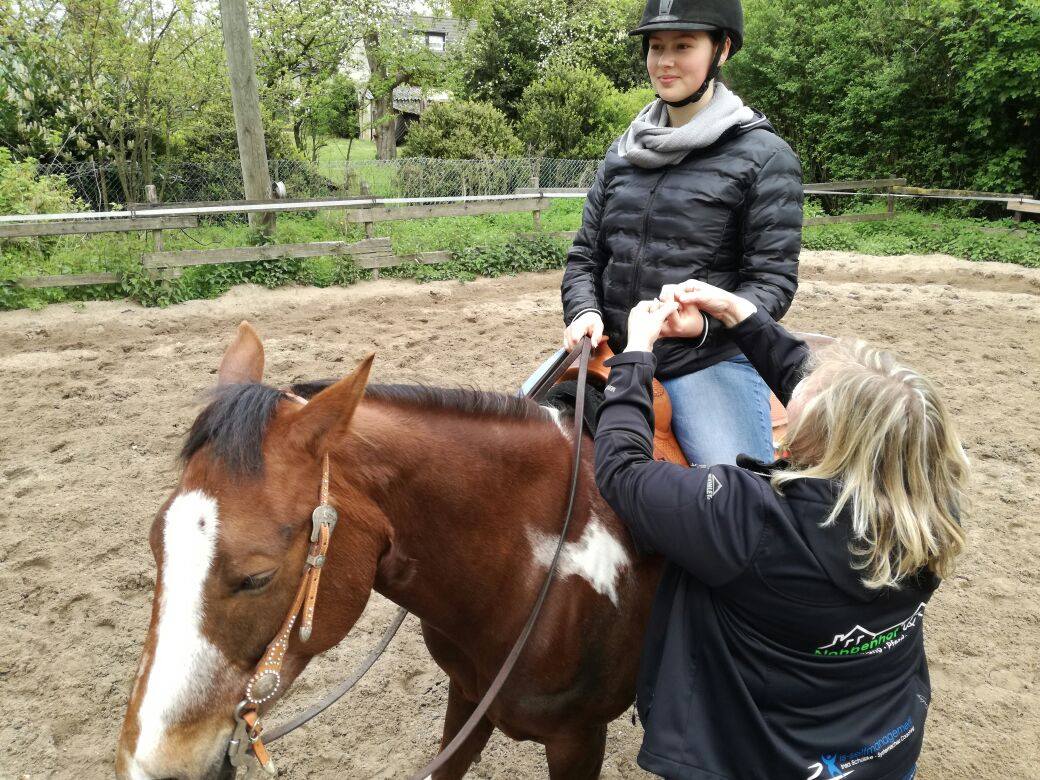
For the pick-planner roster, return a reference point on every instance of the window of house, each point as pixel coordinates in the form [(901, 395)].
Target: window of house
[(435, 41)]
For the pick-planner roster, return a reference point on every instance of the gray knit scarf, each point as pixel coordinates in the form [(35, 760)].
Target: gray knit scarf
[(650, 143)]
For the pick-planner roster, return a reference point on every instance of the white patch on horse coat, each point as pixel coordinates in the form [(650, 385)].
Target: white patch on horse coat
[(597, 556), (185, 661), (558, 419)]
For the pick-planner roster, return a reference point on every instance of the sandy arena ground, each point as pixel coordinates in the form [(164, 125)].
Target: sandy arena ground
[(95, 399)]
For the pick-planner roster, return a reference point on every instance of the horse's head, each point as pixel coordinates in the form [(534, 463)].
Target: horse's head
[(229, 546)]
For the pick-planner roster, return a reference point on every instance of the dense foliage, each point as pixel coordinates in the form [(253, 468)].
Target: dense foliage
[(463, 130), (335, 108), (571, 114), (943, 93), (517, 41)]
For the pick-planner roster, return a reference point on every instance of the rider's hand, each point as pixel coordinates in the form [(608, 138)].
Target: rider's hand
[(645, 322), (730, 309), (588, 324)]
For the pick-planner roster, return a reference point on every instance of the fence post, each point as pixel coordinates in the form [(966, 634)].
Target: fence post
[(891, 202), (153, 197), (536, 173), (370, 228), (99, 173)]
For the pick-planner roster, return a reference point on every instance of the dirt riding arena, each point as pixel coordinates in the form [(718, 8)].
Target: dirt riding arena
[(95, 399)]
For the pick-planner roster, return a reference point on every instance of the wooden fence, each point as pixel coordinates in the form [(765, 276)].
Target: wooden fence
[(375, 253)]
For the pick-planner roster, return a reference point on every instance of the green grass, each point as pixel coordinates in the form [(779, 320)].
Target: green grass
[(332, 157), (908, 233), (335, 150)]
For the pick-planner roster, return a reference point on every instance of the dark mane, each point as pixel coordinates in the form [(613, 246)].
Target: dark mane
[(482, 403), (235, 421), (234, 424)]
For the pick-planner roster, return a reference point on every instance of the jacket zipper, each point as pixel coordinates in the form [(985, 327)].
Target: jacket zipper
[(634, 289)]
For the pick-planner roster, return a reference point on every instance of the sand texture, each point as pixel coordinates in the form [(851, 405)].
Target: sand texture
[(95, 400)]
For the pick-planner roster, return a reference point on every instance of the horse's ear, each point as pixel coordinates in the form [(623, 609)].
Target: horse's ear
[(243, 361), (328, 413)]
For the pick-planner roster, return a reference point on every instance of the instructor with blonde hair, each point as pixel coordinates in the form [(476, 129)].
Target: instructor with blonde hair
[(786, 638)]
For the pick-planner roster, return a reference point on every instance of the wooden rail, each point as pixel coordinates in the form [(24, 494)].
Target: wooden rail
[(1020, 207), (363, 215), (114, 225), (832, 220), (67, 280), (966, 194), (854, 184), (375, 253), (250, 254)]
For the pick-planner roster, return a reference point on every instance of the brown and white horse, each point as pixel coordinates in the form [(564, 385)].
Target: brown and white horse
[(450, 503)]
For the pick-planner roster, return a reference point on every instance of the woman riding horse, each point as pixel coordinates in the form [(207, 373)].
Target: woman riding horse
[(700, 186)]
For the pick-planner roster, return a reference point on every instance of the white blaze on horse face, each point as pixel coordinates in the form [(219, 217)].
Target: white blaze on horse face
[(597, 556), (185, 663)]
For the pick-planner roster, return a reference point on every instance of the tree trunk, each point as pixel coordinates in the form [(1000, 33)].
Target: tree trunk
[(384, 127), (245, 99), (384, 122)]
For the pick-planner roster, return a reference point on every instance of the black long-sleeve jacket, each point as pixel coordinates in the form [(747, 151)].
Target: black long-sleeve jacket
[(729, 214), (765, 656)]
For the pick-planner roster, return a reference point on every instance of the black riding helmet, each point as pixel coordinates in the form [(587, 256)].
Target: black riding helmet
[(719, 17)]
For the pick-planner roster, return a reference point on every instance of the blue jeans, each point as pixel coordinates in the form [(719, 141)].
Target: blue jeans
[(720, 412)]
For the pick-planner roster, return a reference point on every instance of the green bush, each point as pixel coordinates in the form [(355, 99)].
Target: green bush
[(23, 192), (516, 41), (624, 106), (336, 108), (570, 113), (462, 130)]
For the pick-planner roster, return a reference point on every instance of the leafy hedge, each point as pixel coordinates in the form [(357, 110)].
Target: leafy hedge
[(941, 93)]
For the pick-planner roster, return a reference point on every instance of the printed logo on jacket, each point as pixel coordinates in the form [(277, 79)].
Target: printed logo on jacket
[(837, 765), (863, 641)]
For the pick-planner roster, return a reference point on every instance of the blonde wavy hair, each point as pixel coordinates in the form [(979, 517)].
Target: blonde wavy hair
[(878, 429)]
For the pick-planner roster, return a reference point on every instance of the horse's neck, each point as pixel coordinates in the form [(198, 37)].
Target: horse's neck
[(473, 504)]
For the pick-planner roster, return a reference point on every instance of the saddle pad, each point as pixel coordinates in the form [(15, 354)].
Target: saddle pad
[(563, 396)]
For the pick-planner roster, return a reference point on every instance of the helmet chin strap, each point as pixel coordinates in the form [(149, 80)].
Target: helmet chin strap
[(713, 73)]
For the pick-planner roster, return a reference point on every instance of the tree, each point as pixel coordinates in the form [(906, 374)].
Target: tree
[(335, 108), (119, 70), (570, 114), (301, 45), (516, 41), (394, 58)]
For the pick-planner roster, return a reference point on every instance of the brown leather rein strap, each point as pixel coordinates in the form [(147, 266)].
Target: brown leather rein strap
[(341, 690), (514, 654)]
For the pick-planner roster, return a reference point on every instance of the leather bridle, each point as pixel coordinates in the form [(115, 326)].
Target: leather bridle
[(266, 681)]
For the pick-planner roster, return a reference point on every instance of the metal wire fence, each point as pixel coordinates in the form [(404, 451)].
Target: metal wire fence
[(112, 186)]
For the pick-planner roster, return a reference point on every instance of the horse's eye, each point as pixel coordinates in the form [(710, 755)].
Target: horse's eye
[(255, 582)]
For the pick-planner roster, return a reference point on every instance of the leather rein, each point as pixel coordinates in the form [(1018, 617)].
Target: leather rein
[(249, 735)]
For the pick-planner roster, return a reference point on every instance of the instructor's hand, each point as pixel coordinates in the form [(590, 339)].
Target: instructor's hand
[(645, 322), (588, 324), (728, 308)]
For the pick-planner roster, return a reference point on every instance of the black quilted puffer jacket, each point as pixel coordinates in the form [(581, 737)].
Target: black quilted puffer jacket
[(729, 214)]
